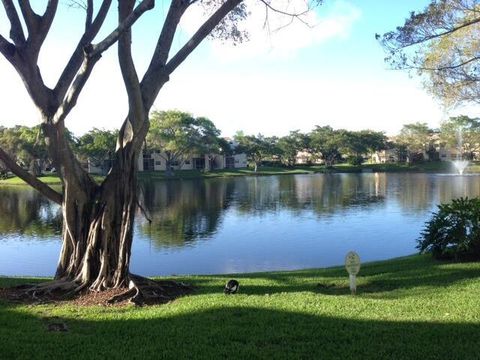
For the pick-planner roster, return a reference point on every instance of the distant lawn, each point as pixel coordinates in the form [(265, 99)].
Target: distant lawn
[(192, 174), (434, 167), (440, 167), (408, 308), (47, 179)]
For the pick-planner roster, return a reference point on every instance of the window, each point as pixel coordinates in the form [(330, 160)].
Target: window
[(148, 164), (199, 163), (158, 163), (229, 162)]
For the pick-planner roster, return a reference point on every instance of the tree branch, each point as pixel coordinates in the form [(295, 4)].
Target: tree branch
[(281, 12), (30, 179), (135, 120), (165, 40), (76, 88), (158, 74), (70, 75), (31, 19), (48, 16), (200, 35), (16, 30), (141, 8), (39, 27), (6, 48), (89, 17), (435, 36), (76, 59), (446, 67)]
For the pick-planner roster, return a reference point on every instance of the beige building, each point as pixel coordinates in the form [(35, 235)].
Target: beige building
[(385, 156), (157, 161), (304, 157)]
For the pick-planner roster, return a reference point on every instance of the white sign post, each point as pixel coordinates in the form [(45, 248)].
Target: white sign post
[(352, 264)]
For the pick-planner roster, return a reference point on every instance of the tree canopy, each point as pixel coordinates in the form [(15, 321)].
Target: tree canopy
[(441, 43), (97, 145), (461, 133), (176, 134)]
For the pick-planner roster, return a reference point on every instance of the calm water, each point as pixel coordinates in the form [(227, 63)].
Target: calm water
[(246, 224)]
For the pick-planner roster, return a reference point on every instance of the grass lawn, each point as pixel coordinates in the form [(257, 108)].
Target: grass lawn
[(441, 167), (47, 179), (408, 308)]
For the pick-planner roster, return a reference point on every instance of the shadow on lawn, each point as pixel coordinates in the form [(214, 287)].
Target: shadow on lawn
[(235, 332)]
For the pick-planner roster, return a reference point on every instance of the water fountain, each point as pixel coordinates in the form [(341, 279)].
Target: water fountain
[(460, 164)]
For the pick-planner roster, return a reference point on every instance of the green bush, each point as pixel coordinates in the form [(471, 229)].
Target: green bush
[(355, 160), (3, 174), (453, 231)]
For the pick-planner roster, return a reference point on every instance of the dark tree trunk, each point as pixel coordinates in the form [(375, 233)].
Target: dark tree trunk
[(98, 230)]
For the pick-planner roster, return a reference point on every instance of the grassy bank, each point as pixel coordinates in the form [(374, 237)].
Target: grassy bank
[(409, 308), (433, 167), (47, 179)]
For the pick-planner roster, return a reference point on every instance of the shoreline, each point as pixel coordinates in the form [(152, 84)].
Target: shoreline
[(433, 167)]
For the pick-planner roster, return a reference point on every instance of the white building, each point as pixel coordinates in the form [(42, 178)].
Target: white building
[(385, 156), (156, 161)]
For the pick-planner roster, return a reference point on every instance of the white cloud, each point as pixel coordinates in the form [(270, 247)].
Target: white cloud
[(282, 37)]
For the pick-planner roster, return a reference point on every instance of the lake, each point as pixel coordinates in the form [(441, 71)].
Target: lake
[(246, 224)]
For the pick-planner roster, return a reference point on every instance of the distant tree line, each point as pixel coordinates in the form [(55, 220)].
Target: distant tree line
[(175, 134)]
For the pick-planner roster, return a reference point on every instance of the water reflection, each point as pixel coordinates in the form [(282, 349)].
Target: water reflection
[(246, 223), (24, 211), (183, 211)]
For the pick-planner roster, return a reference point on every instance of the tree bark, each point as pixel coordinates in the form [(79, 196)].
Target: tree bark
[(98, 230)]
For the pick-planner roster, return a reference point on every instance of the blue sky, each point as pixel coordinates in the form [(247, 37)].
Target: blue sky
[(330, 74)]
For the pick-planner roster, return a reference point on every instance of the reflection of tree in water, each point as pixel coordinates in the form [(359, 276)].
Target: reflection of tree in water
[(24, 211), (322, 193), (183, 211), (417, 193)]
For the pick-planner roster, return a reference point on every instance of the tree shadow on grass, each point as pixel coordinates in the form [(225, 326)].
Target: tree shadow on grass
[(228, 332)]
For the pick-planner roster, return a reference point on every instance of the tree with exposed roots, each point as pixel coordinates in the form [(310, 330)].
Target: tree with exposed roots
[(442, 44), (98, 218)]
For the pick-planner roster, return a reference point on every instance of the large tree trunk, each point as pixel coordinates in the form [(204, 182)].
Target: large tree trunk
[(97, 240), (98, 231)]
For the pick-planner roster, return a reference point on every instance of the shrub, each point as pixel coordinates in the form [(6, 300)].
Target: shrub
[(3, 174), (355, 160), (453, 231)]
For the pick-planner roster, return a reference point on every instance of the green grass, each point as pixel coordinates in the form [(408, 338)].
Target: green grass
[(47, 179), (407, 308), (441, 167)]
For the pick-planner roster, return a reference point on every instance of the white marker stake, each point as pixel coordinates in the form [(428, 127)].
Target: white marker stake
[(352, 264), (353, 284)]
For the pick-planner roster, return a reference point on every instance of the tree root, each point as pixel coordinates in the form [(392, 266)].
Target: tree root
[(141, 291), (44, 292)]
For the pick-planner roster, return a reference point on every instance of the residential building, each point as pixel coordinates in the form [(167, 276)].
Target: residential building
[(156, 161)]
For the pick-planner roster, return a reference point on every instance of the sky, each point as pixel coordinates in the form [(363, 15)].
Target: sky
[(331, 72)]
